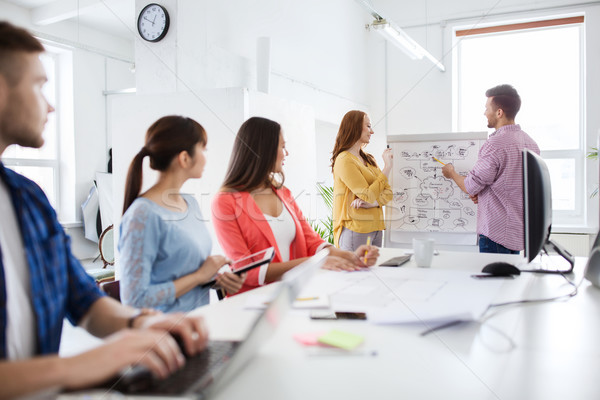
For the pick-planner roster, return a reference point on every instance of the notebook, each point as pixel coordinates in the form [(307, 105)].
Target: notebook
[(219, 363)]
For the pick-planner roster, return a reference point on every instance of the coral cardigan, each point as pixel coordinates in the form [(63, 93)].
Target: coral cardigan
[(242, 229)]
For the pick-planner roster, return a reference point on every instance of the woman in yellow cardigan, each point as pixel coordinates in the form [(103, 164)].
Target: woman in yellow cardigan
[(360, 188)]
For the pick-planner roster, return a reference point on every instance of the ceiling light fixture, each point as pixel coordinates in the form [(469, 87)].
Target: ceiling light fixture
[(398, 37), (403, 41)]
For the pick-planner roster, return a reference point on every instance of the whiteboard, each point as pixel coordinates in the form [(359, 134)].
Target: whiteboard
[(425, 203)]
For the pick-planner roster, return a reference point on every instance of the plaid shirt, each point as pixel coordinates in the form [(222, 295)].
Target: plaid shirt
[(497, 178), (59, 285)]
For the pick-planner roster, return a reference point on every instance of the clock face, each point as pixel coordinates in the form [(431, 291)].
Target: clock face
[(153, 22)]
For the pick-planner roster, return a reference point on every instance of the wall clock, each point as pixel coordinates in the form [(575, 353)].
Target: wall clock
[(153, 22)]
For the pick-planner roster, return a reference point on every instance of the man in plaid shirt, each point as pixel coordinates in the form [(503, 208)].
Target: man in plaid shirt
[(495, 182), (41, 282)]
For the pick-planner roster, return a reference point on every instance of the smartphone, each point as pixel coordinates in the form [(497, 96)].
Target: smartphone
[(396, 261), (484, 276), (328, 314), (350, 315)]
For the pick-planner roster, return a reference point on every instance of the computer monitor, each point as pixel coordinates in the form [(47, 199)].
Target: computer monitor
[(537, 208)]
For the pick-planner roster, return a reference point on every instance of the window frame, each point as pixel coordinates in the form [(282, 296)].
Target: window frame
[(563, 219)]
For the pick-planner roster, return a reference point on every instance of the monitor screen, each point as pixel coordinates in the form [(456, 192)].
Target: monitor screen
[(537, 208)]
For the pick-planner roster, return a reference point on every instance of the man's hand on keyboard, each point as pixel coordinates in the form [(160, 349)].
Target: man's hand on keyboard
[(190, 331), (154, 349)]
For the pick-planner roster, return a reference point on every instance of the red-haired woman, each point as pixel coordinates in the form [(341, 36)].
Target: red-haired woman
[(360, 188)]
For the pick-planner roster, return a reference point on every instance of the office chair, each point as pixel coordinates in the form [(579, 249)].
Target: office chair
[(111, 288)]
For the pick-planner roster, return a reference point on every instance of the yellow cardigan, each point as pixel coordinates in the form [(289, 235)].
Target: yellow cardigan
[(352, 179)]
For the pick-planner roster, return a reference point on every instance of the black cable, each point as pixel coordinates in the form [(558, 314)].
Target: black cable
[(568, 295)]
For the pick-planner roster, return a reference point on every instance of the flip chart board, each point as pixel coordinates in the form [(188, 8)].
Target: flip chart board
[(425, 203)]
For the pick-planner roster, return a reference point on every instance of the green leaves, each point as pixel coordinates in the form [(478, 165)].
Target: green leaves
[(324, 227), (593, 155)]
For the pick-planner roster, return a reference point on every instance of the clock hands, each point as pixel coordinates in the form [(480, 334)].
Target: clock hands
[(153, 22)]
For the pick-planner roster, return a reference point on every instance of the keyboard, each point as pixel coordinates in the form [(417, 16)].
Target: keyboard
[(195, 375), (396, 261)]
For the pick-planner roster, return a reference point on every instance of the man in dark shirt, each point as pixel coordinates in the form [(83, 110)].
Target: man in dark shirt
[(41, 282)]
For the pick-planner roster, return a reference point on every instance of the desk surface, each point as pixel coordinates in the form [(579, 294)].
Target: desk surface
[(528, 351)]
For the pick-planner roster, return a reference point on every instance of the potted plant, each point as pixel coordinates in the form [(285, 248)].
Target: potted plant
[(324, 227)]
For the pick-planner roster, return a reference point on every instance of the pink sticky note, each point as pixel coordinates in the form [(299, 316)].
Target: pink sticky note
[(309, 338)]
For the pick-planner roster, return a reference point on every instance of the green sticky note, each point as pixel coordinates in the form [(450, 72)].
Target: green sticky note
[(341, 339)]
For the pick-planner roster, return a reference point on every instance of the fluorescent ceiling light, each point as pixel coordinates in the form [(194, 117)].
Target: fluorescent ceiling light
[(404, 42)]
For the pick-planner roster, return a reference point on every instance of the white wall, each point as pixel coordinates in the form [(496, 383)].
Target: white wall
[(69, 32), (316, 59)]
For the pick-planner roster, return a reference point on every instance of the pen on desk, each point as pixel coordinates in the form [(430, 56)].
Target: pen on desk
[(366, 251), (306, 298), (438, 160)]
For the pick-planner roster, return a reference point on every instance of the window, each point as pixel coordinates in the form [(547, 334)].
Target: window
[(543, 60), (48, 166)]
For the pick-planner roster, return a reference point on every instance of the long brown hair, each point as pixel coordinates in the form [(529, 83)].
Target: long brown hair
[(165, 139), (350, 131), (254, 156)]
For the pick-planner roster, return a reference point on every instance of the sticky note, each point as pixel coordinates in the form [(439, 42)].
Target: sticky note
[(343, 340), (308, 339)]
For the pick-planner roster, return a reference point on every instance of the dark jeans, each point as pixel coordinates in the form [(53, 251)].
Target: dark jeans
[(486, 245)]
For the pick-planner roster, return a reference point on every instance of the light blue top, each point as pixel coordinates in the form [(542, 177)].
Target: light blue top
[(156, 247)]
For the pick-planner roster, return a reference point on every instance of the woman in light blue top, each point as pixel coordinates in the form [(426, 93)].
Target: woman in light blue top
[(164, 245)]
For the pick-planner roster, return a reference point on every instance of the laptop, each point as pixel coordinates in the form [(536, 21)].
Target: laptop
[(219, 363)]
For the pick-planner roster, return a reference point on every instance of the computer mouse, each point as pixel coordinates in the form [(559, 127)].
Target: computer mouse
[(501, 268)]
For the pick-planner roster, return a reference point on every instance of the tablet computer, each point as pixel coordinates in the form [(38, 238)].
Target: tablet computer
[(249, 262)]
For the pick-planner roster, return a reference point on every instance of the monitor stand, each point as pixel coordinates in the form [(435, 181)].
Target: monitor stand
[(564, 253)]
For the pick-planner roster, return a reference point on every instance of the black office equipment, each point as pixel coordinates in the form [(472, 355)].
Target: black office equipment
[(592, 268), (537, 209), (395, 261), (501, 268)]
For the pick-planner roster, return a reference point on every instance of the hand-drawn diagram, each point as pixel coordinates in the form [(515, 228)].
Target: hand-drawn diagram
[(425, 201)]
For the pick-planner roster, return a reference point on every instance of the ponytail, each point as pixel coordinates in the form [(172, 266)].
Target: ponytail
[(165, 139), (133, 185)]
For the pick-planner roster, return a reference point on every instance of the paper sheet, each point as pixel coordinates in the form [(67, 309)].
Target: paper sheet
[(408, 295)]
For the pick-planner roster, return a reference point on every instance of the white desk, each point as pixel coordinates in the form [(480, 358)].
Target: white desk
[(532, 351)]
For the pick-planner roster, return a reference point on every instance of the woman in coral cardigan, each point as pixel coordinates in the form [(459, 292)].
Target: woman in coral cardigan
[(254, 210), (360, 188)]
